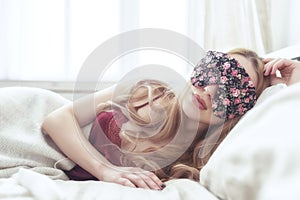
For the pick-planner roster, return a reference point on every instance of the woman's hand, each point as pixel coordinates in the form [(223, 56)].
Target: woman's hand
[(289, 70), (132, 177)]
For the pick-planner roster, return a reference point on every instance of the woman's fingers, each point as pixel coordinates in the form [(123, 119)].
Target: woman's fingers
[(152, 181), (137, 181), (142, 181), (133, 177), (156, 180), (271, 66), (125, 182), (266, 60), (286, 67), (278, 64)]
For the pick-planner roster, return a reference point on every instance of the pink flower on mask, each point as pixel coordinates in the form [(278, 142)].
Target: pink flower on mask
[(236, 92), (223, 79), (194, 80), (241, 110), (234, 72), (226, 101), (251, 84), (231, 116), (237, 101), (244, 91), (245, 80), (226, 65)]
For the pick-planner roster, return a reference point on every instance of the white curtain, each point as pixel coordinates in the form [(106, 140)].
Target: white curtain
[(261, 25), (50, 39), (31, 39), (285, 29), (235, 23)]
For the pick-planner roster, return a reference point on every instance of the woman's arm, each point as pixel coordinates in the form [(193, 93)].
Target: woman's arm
[(64, 127), (289, 70)]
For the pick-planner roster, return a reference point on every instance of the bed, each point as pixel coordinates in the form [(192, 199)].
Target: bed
[(258, 160)]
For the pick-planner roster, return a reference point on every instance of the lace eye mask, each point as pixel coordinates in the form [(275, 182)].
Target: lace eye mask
[(236, 92)]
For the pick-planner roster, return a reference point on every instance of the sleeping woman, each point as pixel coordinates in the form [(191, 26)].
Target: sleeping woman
[(152, 134)]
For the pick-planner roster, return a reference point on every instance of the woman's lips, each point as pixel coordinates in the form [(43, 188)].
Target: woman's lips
[(199, 102)]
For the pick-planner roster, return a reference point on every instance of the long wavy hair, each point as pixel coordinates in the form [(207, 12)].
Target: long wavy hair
[(158, 128), (166, 121), (204, 145)]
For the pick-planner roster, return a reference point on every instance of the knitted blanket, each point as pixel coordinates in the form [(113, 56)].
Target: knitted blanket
[(22, 144)]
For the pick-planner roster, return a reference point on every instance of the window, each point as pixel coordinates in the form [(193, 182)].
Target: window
[(51, 39)]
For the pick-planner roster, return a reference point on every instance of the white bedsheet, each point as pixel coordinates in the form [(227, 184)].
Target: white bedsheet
[(29, 185)]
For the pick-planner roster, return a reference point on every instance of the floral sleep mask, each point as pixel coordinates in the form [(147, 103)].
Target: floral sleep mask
[(236, 92)]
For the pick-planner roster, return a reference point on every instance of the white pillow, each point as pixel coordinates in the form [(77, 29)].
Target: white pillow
[(260, 159), (291, 51), (268, 92)]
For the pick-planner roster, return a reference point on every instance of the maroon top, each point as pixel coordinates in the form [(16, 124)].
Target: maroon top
[(104, 136)]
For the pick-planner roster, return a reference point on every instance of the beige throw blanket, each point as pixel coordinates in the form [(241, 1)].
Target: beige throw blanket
[(23, 145)]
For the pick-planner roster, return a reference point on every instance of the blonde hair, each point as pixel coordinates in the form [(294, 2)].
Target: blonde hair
[(165, 121), (198, 154), (150, 90), (189, 164)]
